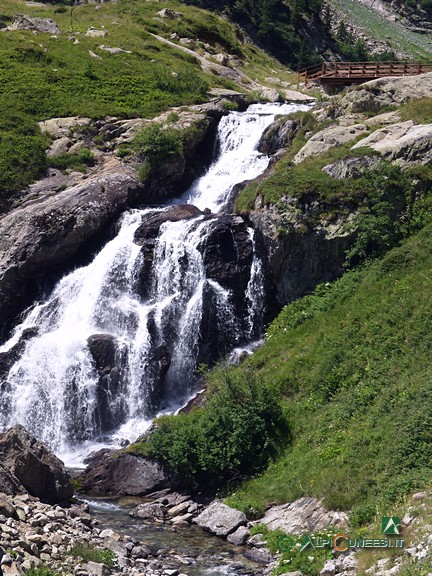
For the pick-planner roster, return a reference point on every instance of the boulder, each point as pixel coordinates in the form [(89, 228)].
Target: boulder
[(41, 236), (151, 511), (303, 515), (220, 519), (6, 507), (170, 14), (278, 135), (328, 138), (37, 469), (122, 475), (239, 537), (8, 483), (351, 167), (95, 33), (271, 94), (375, 94), (23, 22), (404, 143), (258, 555)]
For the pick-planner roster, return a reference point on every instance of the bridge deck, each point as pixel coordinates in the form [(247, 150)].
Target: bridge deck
[(346, 73)]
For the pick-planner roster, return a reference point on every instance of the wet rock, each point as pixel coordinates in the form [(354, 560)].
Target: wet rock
[(220, 519), (150, 511), (154, 220), (40, 237), (259, 555), (37, 469), (123, 474), (278, 135), (239, 537), (23, 22)]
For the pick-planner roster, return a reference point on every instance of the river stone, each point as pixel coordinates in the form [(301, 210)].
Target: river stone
[(303, 515), (258, 555), (96, 569), (6, 506), (149, 511), (40, 472), (220, 519), (239, 537)]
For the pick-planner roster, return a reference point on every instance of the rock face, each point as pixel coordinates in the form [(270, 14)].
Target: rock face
[(124, 474), (328, 138), (404, 143), (41, 236), (22, 22), (376, 94), (278, 135), (220, 519), (303, 515), (33, 467), (298, 260)]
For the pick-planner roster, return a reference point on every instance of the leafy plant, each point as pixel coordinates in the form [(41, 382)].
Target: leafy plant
[(91, 554)]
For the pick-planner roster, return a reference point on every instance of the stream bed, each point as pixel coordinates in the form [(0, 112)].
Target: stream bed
[(198, 553)]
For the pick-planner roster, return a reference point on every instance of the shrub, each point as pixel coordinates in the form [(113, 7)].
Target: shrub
[(91, 554), (40, 571), (157, 145), (234, 435)]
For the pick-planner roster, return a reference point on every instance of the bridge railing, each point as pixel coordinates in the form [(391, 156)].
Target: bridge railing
[(357, 70)]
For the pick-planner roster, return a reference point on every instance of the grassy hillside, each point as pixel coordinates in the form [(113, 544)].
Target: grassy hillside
[(44, 76)]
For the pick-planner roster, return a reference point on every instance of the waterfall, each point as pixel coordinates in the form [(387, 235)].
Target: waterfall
[(98, 359)]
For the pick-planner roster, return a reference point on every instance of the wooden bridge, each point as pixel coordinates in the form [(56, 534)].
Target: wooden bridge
[(333, 74)]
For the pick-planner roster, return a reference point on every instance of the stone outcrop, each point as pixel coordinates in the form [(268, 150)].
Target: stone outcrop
[(220, 519), (351, 167), (30, 467), (303, 515), (23, 22), (300, 259), (38, 238), (328, 138), (404, 143), (122, 474), (390, 91), (278, 135)]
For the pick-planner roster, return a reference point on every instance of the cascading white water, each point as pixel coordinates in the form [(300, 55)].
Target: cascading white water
[(54, 388)]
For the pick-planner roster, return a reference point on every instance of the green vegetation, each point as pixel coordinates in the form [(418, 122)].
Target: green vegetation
[(354, 370), (276, 25), (40, 571), (22, 154), (291, 558), (419, 111), (156, 145), (91, 554), (78, 161), (234, 436)]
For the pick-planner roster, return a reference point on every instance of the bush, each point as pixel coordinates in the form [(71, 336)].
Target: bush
[(233, 436), (157, 145), (40, 571), (91, 554)]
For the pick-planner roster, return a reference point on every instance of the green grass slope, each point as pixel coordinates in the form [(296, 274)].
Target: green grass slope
[(353, 366), (44, 76)]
